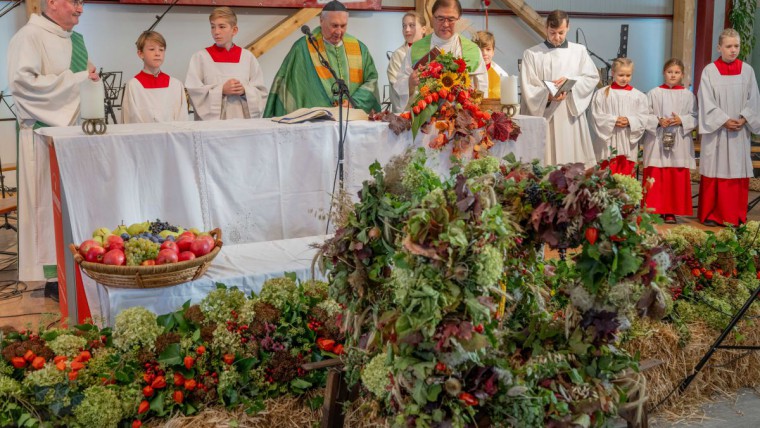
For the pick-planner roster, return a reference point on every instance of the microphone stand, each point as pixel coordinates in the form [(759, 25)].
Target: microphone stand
[(607, 65), (340, 88), (159, 18), (9, 7)]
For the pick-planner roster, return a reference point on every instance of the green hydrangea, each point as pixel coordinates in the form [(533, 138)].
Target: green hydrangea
[(375, 376), (9, 387), (219, 304), (226, 342), (489, 266), (135, 328), (482, 166), (97, 368), (419, 179), (228, 379), (631, 186), (130, 397), (248, 311), (750, 239), (331, 307), (100, 408), (48, 376), (5, 368), (279, 291), (315, 288), (682, 238), (68, 345)]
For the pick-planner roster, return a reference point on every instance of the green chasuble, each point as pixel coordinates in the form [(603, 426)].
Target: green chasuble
[(298, 83)]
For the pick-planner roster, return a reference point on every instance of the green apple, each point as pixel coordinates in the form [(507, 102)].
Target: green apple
[(99, 239)]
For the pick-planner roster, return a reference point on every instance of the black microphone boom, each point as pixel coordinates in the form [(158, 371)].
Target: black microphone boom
[(306, 30)]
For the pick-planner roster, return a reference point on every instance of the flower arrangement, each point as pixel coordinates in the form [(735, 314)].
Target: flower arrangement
[(445, 102), (228, 350)]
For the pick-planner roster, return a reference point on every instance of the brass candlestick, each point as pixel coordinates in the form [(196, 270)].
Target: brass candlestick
[(509, 109)]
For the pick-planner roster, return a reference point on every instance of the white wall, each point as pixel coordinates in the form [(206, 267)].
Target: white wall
[(111, 30)]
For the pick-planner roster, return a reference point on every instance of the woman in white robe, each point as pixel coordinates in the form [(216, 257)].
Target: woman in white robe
[(413, 27), (729, 111), (619, 117), (668, 165)]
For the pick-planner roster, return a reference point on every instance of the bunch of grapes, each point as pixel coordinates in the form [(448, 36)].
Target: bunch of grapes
[(158, 226), (533, 194), (139, 250)]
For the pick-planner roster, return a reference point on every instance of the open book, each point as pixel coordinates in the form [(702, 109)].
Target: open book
[(321, 113), (555, 91)]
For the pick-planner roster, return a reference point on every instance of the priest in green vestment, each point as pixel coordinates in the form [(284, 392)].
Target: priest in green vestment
[(303, 82)]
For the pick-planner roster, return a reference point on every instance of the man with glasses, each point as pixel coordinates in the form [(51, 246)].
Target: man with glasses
[(446, 13), (46, 63), (556, 60)]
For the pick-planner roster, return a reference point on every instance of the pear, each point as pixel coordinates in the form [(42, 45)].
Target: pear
[(102, 232), (120, 229), (138, 228), (99, 239), (195, 231), (166, 233)]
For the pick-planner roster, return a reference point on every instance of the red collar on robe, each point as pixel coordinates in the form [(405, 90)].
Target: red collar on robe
[(729, 69), (220, 54), (409, 44), (664, 86), (488, 66), (625, 88), (150, 81)]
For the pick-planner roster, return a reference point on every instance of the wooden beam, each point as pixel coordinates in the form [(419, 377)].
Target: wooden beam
[(704, 47), (281, 30), (528, 15), (683, 38), (424, 8), (32, 7)]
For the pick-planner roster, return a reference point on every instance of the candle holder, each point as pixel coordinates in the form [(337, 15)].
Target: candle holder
[(94, 126), (509, 109)]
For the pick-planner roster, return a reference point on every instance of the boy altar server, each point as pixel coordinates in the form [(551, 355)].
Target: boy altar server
[(152, 96), (225, 81), (729, 108)]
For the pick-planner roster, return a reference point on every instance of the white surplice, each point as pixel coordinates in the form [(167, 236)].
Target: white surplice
[(453, 45), (664, 103), (206, 77), (609, 104), (146, 104), (46, 90), (724, 153), (394, 66), (569, 139)]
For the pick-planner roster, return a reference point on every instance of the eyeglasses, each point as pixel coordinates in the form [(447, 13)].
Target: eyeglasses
[(77, 3), (447, 20)]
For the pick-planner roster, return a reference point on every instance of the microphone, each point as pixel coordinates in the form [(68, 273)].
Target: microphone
[(306, 30)]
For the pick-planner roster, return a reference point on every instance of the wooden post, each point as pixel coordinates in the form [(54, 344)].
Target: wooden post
[(683, 37), (423, 7), (281, 30), (704, 39), (528, 15), (32, 7)]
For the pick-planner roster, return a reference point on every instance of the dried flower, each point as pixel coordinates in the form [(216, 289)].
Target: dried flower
[(375, 376), (68, 345), (134, 328), (100, 408)]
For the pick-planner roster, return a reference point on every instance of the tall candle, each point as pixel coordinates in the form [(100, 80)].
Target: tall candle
[(509, 90), (92, 97)]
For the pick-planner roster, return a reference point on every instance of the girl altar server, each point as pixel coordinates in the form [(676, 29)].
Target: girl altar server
[(729, 110), (668, 147), (413, 28), (619, 117), (153, 96), (225, 81)]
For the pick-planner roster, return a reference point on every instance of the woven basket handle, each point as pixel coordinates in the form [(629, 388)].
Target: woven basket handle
[(75, 252)]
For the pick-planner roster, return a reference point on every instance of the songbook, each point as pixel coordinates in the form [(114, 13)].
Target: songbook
[(556, 91), (433, 54), (321, 113)]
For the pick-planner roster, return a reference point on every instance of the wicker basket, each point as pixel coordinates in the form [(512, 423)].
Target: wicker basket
[(149, 276)]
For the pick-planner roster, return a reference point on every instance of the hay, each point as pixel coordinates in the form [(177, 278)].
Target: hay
[(723, 375)]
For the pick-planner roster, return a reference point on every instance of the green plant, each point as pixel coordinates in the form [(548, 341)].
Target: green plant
[(742, 19)]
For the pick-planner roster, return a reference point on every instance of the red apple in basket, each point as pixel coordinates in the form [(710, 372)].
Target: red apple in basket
[(167, 256), (184, 242), (170, 245), (201, 247), (95, 254), (86, 245), (187, 233), (209, 238), (115, 257), (114, 242), (186, 255)]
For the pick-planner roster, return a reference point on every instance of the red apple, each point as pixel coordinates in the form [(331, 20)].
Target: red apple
[(114, 242), (114, 257), (201, 247), (187, 233), (207, 238), (95, 254), (167, 256), (186, 255), (170, 245), (86, 245), (184, 242)]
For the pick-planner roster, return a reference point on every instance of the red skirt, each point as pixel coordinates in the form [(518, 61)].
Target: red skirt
[(671, 191), (619, 165), (723, 200)]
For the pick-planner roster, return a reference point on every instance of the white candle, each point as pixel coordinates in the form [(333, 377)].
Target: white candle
[(509, 90), (92, 98)]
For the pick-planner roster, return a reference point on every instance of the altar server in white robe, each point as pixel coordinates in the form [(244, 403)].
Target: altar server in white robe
[(619, 117), (487, 44), (557, 60), (729, 111), (668, 161), (47, 61), (413, 28), (153, 96), (445, 13), (225, 81)]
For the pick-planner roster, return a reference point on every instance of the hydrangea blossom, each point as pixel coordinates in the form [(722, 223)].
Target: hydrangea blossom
[(67, 344), (219, 304), (100, 408), (279, 291), (134, 328), (375, 376)]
